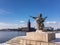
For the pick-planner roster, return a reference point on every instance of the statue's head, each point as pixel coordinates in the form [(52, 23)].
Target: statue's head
[(40, 15)]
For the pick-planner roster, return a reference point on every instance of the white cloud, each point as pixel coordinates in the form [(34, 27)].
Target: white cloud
[(9, 25), (33, 24), (22, 21), (2, 12), (53, 24)]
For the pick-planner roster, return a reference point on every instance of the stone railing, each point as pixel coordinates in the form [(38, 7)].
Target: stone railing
[(33, 42), (23, 41)]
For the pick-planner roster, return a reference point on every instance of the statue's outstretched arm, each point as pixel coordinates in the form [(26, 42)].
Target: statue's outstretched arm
[(33, 17), (44, 19)]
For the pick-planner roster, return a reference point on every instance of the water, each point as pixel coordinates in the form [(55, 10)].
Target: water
[(7, 35)]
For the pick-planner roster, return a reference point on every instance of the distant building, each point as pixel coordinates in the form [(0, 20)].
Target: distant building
[(58, 29), (48, 29), (28, 28)]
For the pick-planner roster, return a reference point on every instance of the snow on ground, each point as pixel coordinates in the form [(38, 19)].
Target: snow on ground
[(4, 44), (57, 35), (57, 40)]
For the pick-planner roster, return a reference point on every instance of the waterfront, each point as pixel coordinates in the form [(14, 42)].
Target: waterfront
[(7, 35)]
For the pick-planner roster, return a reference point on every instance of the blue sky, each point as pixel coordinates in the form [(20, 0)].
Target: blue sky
[(18, 11)]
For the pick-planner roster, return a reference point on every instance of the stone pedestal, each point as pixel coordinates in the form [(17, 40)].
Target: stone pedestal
[(41, 36)]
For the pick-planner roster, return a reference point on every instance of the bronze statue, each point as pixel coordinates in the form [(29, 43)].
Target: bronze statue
[(40, 21)]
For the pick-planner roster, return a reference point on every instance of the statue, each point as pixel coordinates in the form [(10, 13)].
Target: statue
[(40, 21)]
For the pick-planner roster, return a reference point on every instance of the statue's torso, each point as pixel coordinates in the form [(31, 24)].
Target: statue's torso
[(38, 20)]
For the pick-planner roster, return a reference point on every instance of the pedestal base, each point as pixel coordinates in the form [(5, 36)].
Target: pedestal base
[(41, 36)]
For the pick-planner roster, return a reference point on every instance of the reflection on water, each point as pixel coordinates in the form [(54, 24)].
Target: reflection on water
[(7, 35)]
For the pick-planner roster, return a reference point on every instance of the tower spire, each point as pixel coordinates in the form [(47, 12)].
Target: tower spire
[(29, 24)]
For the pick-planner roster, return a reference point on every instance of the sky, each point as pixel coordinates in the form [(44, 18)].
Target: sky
[(16, 13)]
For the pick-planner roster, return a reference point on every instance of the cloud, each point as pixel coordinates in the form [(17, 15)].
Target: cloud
[(53, 24), (9, 25), (22, 21), (3, 12), (33, 24), (4, 25)]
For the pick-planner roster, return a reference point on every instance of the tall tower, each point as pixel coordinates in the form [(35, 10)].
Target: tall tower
[(29, 24)]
